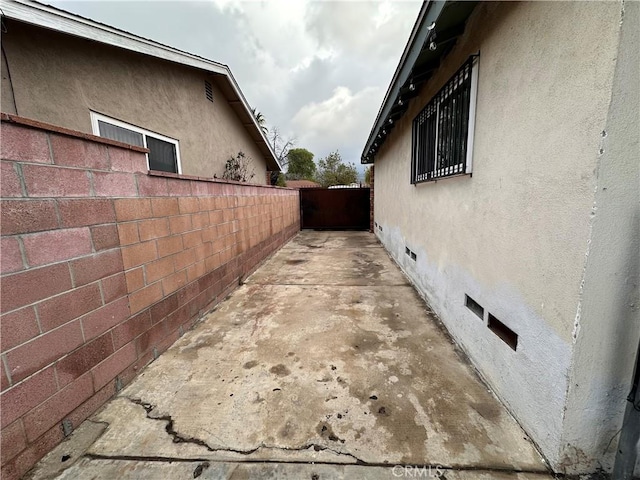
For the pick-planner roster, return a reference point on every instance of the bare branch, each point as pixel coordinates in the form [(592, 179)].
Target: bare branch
[(280, 145)]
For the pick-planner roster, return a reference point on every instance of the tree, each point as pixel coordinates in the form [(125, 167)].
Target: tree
[(331, 171), (280, 145), (262, 122), (281, 181), (300, 164), (367, 176)]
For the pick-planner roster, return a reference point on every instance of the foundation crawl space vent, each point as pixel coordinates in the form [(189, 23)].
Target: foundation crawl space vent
[(410, 253), (505, 334), (474, 306)]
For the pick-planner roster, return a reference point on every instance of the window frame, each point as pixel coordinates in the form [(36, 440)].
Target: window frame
[(433, 107), (96, 117)]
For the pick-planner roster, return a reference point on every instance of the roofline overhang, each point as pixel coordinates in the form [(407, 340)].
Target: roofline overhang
[(395, 102), (46, 16), (429, 12)]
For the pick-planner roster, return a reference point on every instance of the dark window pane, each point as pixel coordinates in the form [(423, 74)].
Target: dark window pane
[(162, 155), (120, 134)]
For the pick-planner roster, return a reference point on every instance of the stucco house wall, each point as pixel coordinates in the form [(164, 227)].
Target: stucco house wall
[(607, 327), (515, 235), (59, 79)]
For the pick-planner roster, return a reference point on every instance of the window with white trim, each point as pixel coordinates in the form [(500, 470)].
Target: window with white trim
[(442, 137), (164, 152)]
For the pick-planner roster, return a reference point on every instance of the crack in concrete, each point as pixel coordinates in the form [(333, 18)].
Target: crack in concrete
[(143, 458), (179, 438)]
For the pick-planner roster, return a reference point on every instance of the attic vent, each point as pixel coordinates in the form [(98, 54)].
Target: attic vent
[(208, 90), (505, 334)]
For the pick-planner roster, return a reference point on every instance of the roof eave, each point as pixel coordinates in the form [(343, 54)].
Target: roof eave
[(429, 12), (425, 26)]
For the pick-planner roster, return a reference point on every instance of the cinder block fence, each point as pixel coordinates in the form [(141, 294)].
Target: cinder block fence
[(104, 266)]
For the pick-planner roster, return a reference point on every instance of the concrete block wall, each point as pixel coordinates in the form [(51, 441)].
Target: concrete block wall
[(103, 267)]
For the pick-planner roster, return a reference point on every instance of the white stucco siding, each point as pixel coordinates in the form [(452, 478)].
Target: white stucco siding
[(514, 235)]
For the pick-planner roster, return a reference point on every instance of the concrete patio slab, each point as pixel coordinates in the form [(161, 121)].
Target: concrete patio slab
[(344, 367)]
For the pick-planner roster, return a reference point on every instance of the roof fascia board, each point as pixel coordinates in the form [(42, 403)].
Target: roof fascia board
[(429, 13), (48, 17)]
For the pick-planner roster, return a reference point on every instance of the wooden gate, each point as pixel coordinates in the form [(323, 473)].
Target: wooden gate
[(335, 208)]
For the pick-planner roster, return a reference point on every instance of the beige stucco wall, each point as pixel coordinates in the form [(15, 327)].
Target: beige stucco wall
[(608, 323), (6, 98), (58, 79), (513, 235)]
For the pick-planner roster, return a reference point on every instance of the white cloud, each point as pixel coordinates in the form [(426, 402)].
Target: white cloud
[(371, 30), (339, 121)]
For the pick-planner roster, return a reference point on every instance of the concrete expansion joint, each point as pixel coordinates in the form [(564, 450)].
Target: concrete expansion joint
[(179, 438), (145, 458), (206, 463)]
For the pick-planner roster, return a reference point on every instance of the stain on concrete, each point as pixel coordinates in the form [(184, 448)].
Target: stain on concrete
[(326, 432), (280, 370), (366, 266), (489, 411), (286, 431), (199, 469), (258, 398), (296, 261)]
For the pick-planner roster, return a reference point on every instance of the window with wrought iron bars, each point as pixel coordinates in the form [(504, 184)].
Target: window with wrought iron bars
[(442, 139)]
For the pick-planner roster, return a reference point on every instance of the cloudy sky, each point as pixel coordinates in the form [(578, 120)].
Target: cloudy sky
[(317, 70)]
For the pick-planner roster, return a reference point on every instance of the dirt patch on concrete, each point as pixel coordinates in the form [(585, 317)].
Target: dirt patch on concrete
[(280, 370)]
